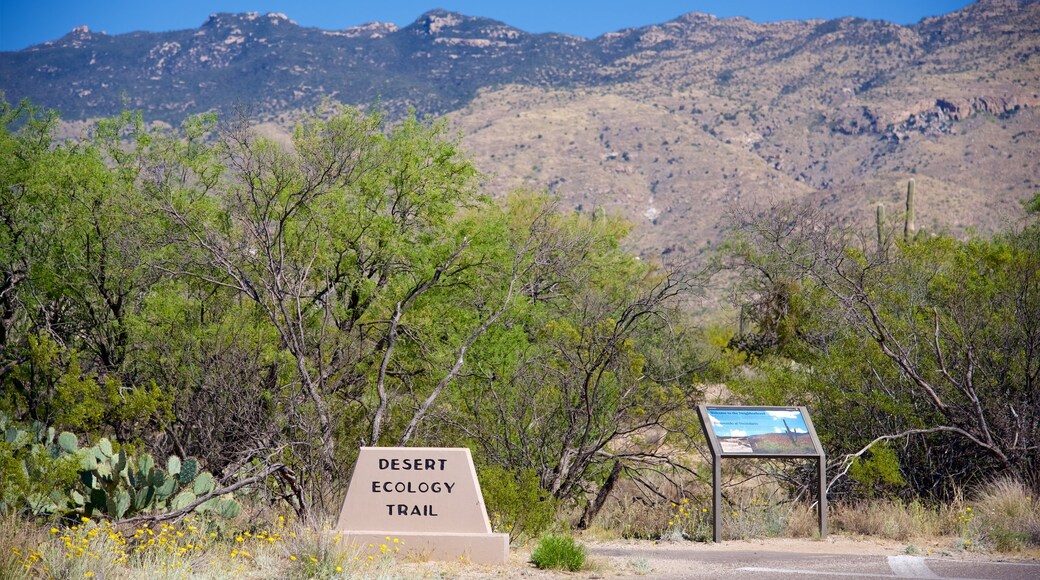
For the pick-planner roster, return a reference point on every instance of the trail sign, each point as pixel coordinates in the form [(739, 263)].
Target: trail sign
[(426, 497), (771, 432)]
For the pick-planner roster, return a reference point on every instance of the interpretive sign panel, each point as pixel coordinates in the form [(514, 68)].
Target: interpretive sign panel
[(771, 432), (762, 431), (427, 497)]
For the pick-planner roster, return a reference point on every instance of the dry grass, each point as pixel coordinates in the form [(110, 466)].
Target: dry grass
[(193, 548), (891, 520), (802, 521), (18, 547), (1006, 517), (755, 511), (1002, 516), (631, 513)]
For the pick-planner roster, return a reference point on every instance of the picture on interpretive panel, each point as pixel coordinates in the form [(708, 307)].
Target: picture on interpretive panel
[(776, 431)]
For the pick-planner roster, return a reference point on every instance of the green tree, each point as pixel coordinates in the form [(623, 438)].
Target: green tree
[(589, 369), (75, 259), (363, 249), (932, 337)]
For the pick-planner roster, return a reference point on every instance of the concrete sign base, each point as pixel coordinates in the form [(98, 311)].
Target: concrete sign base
[(426, 497)]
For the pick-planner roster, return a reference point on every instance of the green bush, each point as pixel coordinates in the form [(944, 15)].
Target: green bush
[(516, 502), (559, 552), (878, 475)]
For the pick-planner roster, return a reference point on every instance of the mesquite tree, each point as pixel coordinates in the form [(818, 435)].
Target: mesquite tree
[(934, 338)]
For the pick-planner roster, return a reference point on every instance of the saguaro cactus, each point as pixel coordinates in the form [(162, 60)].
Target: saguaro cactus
[(908, 225), (880, 225)]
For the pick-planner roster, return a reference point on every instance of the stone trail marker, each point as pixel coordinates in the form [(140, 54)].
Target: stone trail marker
[(428, 498)]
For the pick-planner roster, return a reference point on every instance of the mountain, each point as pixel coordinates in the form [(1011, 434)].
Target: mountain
[(671, 124), (268, 61)]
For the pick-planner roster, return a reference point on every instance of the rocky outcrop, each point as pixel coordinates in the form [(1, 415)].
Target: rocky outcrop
[(962, 107)]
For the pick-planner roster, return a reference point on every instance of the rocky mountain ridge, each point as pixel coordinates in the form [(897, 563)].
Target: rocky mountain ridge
[(670, 124)]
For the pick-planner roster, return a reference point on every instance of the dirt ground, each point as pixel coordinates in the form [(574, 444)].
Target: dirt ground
[(652, 559)]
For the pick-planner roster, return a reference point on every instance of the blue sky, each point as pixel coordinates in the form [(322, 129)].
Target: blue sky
[(27, 22)]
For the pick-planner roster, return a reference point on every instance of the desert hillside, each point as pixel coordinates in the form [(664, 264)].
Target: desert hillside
[(671, 124)]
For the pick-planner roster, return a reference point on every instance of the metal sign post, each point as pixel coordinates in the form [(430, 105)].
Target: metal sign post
[(767, 432)]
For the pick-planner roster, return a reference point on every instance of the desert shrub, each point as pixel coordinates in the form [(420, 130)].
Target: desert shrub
[(802, 521), (755, 518), (1005, 517), (879, 474), (516, 502), (559, 553), (892, 520), (689, 522)]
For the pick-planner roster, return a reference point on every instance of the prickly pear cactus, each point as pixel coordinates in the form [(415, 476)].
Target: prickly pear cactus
[(189, 469), (119, 485), (111, 482), (68, 443), (173, 465), (38, 454), (204, 483), (222, 506)]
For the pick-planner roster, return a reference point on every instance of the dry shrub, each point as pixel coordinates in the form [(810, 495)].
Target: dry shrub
[(632, 512), (1007, 516), (751, 510), (802, 521), (760, 516), (892, 520), (632, 519)]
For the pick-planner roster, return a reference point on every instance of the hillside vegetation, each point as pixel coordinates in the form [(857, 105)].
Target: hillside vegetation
[(668, 125), (254, 312), (203, 317)]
